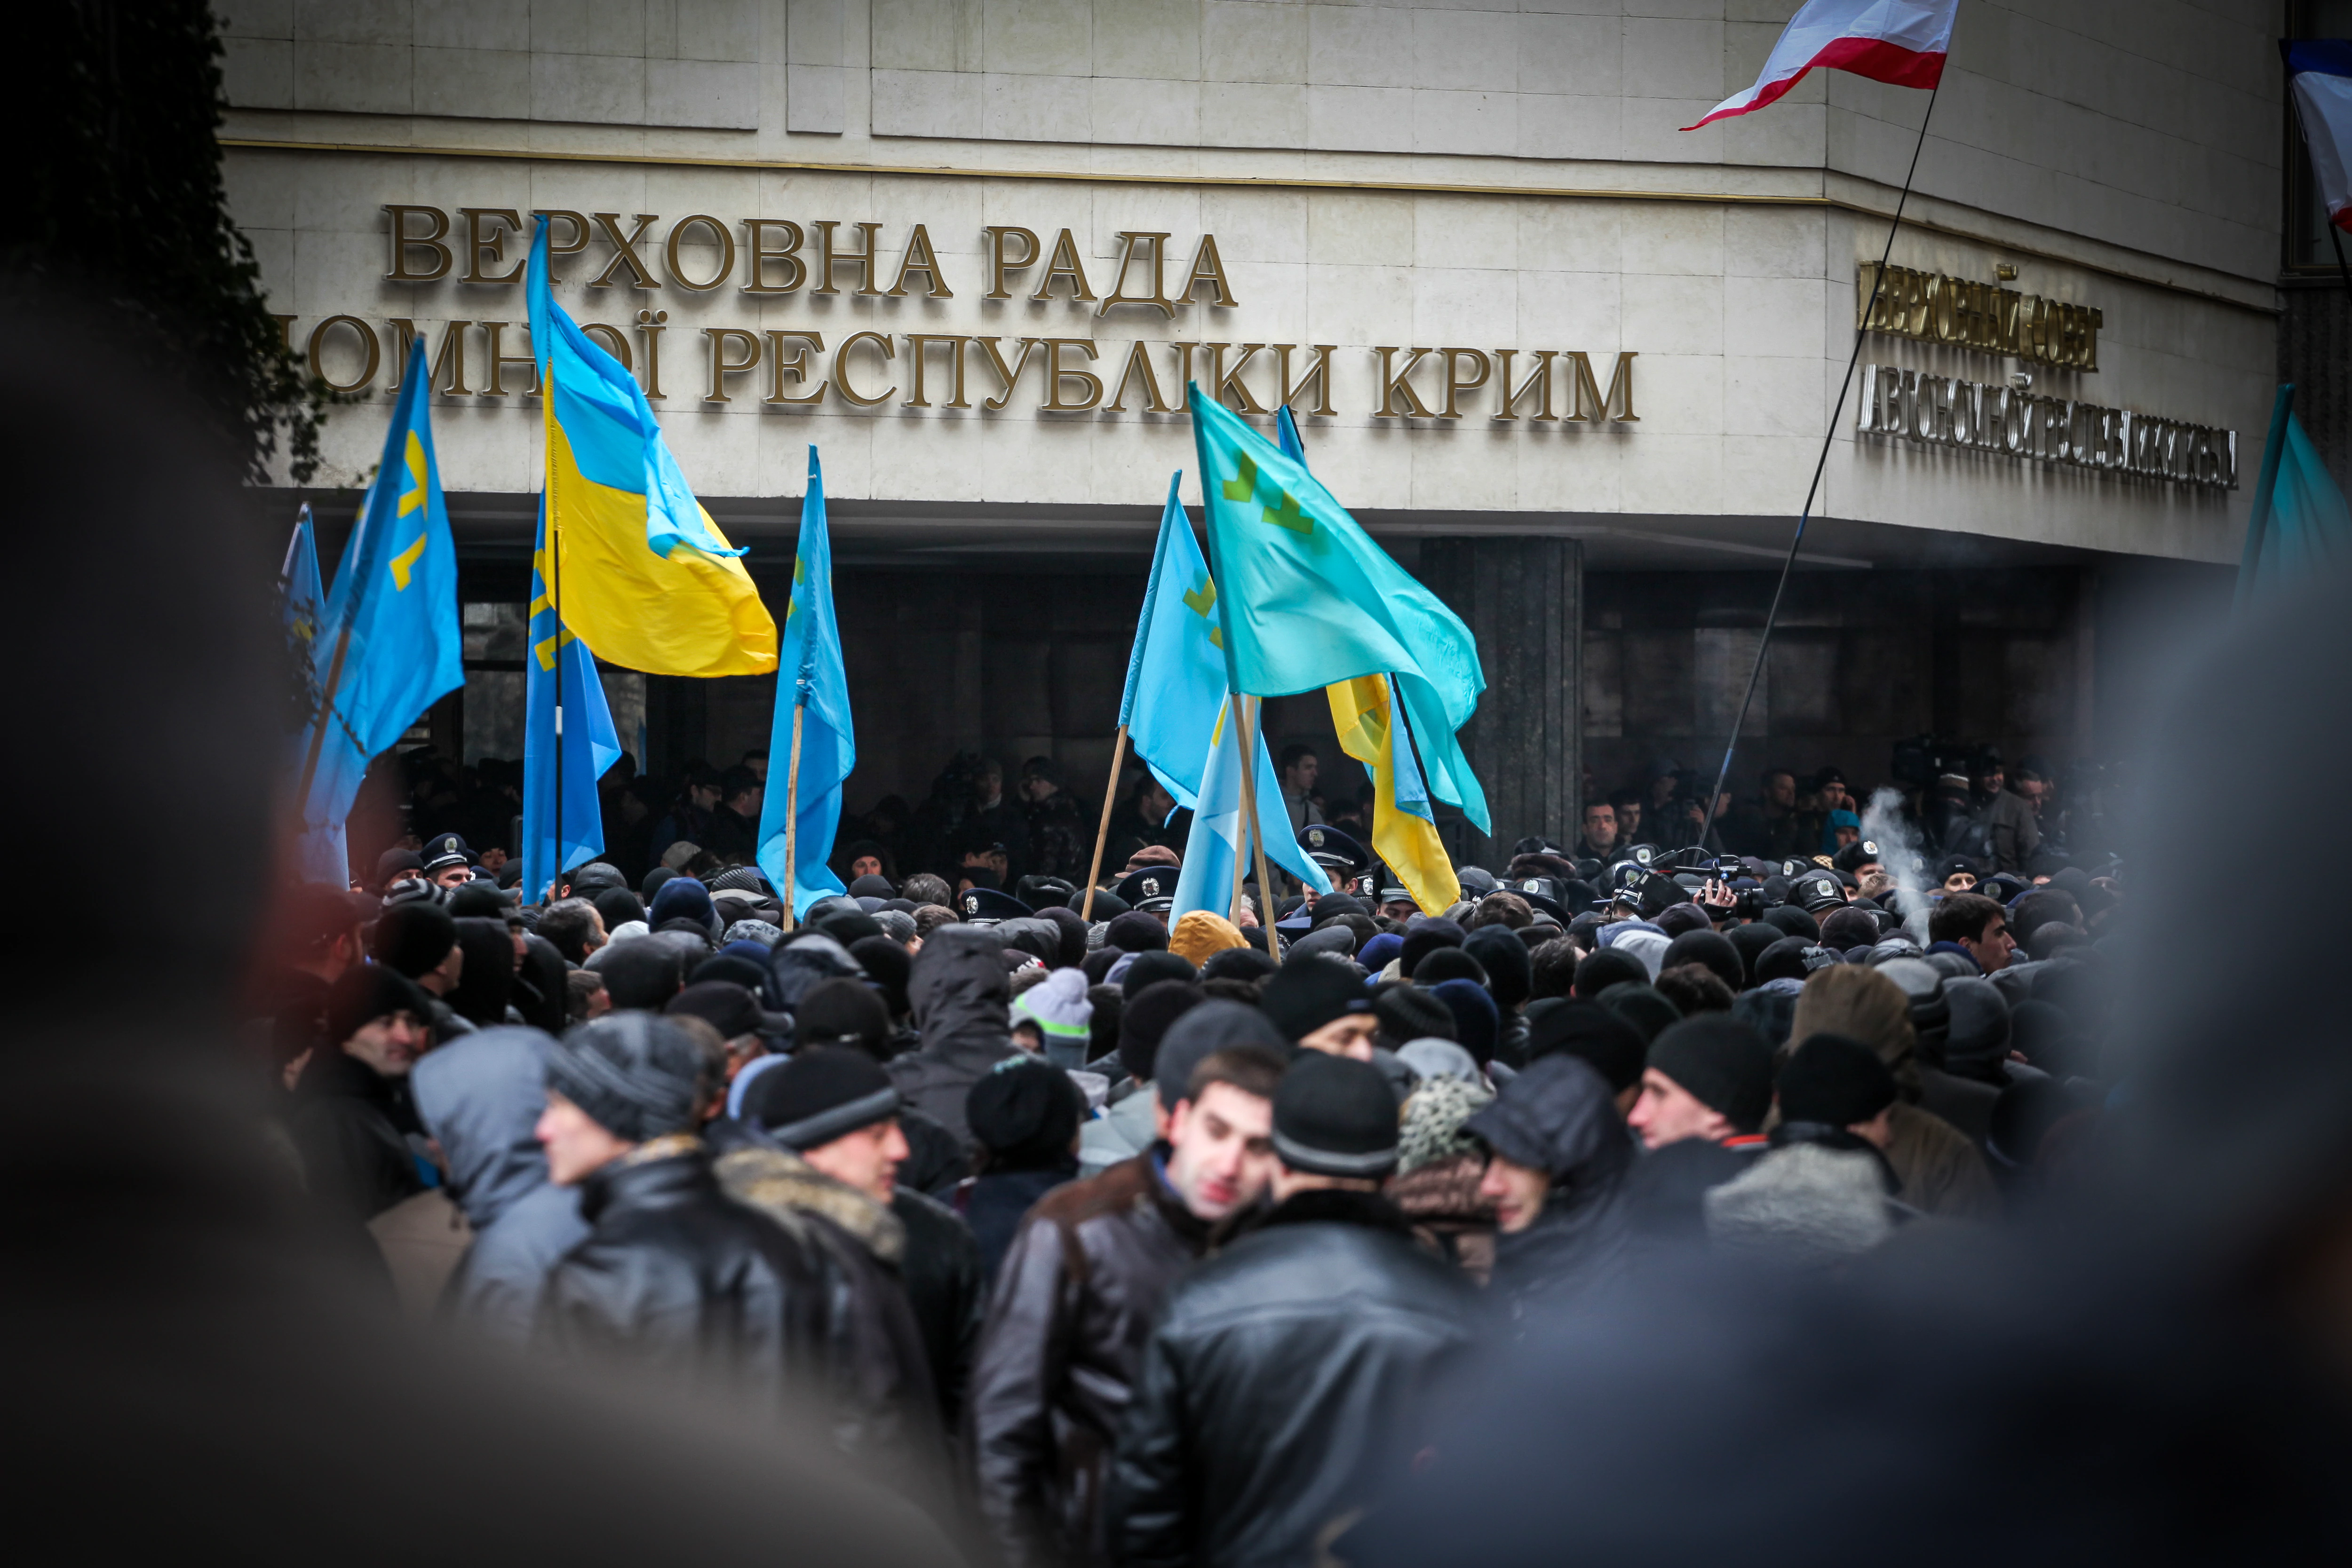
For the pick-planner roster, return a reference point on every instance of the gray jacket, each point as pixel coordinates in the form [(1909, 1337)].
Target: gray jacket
[(481, 1097)]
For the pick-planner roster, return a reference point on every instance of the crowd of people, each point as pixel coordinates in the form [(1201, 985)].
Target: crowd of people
[(1149, 1239)]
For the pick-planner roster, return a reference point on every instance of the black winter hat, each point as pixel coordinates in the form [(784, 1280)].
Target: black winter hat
[(1024, 1113), (1448, 964), (1238, 964), (1850, 927), (1135, 932), (1835, 1081), (1615, 1048), (1598, 971), (823, 1093), (1424, 938), (1144, 1021), (641, 973), (1750, 940), (392, 862), (872, 886), (1720, 1062), (1336, 939), (1712, 949), (1407, 1013), (1074, 936), (413, 937), (727, 1007), (1337, 1117), (1792, 958), (635, 1075), (618, 906), (366, 992), (841, 1012), (1794, 922), (1509, 974), (729, 967), (1215, 1025), (1305, 996), (1152, 969), (888, 965), (846, 926), (1643, 1005)]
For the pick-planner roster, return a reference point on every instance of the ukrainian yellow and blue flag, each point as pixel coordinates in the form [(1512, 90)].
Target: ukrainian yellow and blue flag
[(643, 576), (568, 740)]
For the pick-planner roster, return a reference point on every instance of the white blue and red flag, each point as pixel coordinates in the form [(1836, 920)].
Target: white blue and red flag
[(2319, 74), (1899, 41)]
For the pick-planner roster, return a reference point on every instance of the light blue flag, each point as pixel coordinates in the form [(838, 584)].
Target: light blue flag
[(564, 752), (2300, 525), (1206, 881), (302, 612), (809, 674), (1308, 599), (391, 634), (1176, 675)]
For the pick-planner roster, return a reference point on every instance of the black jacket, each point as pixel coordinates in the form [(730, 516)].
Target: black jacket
[(961, 995), (1072, 1305), (941, 1273), (1286, 1388), (994, 1204), (350, 1125), (677, 1276), (1559, 1116)]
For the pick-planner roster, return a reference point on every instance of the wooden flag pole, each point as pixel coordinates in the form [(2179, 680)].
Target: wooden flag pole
[(791, 815), (1102, 829), (1249, 814), (319, 721)]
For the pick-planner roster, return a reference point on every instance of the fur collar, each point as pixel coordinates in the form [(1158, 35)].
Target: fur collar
[(786, 1187)]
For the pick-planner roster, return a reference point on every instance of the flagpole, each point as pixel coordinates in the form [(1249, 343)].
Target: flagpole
[(1249, 814), (1780, 589), (793, 811), (1102, 829)]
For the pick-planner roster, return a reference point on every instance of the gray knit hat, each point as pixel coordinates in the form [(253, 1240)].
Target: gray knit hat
[(636, 1075)]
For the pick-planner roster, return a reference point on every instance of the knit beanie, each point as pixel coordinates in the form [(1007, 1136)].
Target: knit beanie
[(1711, 949), (727, 1007), (366, 992), (846, 926), (841, 1012), (1448, 964), (1836, 1082), (1720, 1062), (1381, 951), (1792, 958), (1073, 932), (1407, 1013), (633, 1074), (1850, 927), (824, 1093), (1749, 941), (1424, 938), (1200, 933), (1640, 1004), (1794, 922), (1607, 968), (681, 898), (1682, 919), (1432, 1127), (413, 937), (888, 965), (641, 973), (725, 966), (1135, 932), (1057, 1005), (1334, 1116), (618, 906), (1143, 969), (1305, 996), (1024, 1114), (1335, 939), (1977, 1041), (1475, 1021), (1215, 1025), (1615, 1048), (1145, 1020), (1509, 974)]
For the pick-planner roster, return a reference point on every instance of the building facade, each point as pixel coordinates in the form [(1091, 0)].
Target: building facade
[(1570, 363)]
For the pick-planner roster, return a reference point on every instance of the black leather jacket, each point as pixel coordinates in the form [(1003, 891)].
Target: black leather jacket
[(676, 1275), (1285, 1386), (1072, 1305)]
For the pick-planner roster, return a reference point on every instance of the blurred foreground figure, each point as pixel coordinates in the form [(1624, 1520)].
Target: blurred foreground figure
[(2155, 1370), (174, 1311)]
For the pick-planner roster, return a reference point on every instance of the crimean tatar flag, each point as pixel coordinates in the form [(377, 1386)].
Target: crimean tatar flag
[(1901, 42), (643, 576)]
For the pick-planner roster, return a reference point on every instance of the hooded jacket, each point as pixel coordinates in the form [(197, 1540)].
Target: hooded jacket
[(1285, 1387), (351, 1126), (1073, 1306), (961, 995), (480, 1098), (803, 964), (1559, 1116)]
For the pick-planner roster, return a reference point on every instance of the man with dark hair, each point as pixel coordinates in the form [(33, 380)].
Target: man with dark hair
[(1707, 1077), (1076, 1295), (1285, 1382), (1627, 804), (2010, 833), (1300, 770), (689, 815), (1771, 829), (1977, 926), (1551, 969), (1600, 840), (352, 1116), (1061, 839), (733, 830)]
